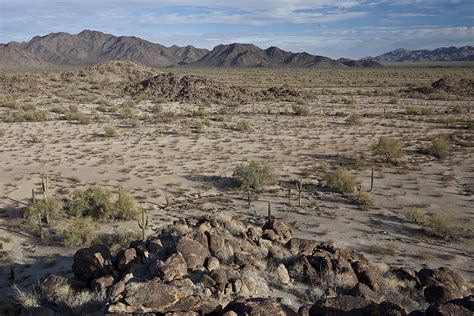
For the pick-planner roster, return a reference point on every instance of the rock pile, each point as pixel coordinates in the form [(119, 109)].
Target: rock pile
[(222, 266)]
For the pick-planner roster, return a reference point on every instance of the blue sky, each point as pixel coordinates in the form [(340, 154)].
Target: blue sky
[(349, 28)]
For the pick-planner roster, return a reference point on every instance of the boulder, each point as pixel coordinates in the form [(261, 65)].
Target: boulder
[(367, 275), (443, 276), (193, 252), (438, 294), (93, 262), (174, 267), (282, 273), (212, 264), (126, 258), (102, 284), (276, 230), (341, 305), (259, 307), (448, 309)]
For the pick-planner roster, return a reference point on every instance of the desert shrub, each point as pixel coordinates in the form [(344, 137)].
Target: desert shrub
[(50, 208), (7, 103), (80, 233), (199, 127), (121, 239), (59, 109), (389, 148), (2, 132), (94, 202), (426, 111), (110, 131), (357, 163), (364, 200), (126, 113), (80, 117), (441, 225), (341, 181), (418, 216), (124, 207), (157, 108), (412, 110), (354, 119), (457, 109), (134, 122), (243, 126), (393, 101), (200, 112), (254, 175), (440, 148), (165, 117), (300, 109)]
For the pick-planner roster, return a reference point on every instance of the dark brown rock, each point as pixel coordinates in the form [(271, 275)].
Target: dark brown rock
[(193, 252), (438, 294), (92, 262), (276, 230), (174, 267), (448, 309), (102, 284), (367, 275), (126, 259), (259, 307), (341, 305), (363, 291)]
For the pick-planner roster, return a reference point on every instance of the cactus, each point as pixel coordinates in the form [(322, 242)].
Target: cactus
[(40, 224), (299, 187), (269, 209), (372, 180), (143, 224), (45, 187), (289, 197), (248, 198)]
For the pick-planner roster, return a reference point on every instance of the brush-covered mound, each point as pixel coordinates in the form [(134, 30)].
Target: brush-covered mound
[(175, 87), (220, 265)]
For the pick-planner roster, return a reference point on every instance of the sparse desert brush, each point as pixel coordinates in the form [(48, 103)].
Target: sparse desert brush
[(2, 132), (364, 200), (440, 148), (442, 226), (124, 207), (300, 109), (199, 127), (110, 131), (81, 232), (393, 100), (134, 122), (389, 149), (156, 108), (457, 109), (341, 181), (121, 239), (242, 126), (418, 216), (45, 208), (200, 112), (357, 163), (165, 117), (58, 109), (354, 119)]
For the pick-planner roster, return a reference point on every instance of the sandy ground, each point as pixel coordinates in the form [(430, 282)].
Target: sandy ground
[(159, 161)]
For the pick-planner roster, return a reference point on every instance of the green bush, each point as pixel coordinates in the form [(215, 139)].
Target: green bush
[(341, 181), (50, 208), (110, 131), (389, 148), (124, 208), (94, 202), (254, 175), (441, 225), (82, 232), (243, 126), (80, 117), (418, 216), (300, 109), (440, 148), (354, 119)]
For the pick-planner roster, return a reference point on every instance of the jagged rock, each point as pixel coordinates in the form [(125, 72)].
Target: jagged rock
[(193, 252), (102, 284), (126, 259), (341, 305), (276, 230), (174, 267), (282, 273), (253, 235), (448, 309), (303, 270), (406, 274), (466, 302), (363, 291), (259, 307), (93, 262), (298, 246), (367, 275), (155, 246), (438, 294), (212, 264), (443, 276)]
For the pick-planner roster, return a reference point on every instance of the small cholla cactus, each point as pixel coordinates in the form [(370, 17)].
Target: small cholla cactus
[(299, 187)]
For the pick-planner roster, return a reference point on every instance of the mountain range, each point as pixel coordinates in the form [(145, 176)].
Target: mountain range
[(91, 47), (465, 53)]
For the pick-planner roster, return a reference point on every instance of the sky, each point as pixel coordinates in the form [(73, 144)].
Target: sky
[(344, 28)]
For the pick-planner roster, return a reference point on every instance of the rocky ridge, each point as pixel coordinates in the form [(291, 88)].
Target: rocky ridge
[(220, 265)]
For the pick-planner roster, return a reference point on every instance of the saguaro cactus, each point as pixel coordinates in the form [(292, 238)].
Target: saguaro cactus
[(40, 224), (143, 224), (299, 187), (289, 197), (372, 180), (45, 187), (269, 209)]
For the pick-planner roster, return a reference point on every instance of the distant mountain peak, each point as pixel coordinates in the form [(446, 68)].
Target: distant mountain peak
[(451, 53)]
